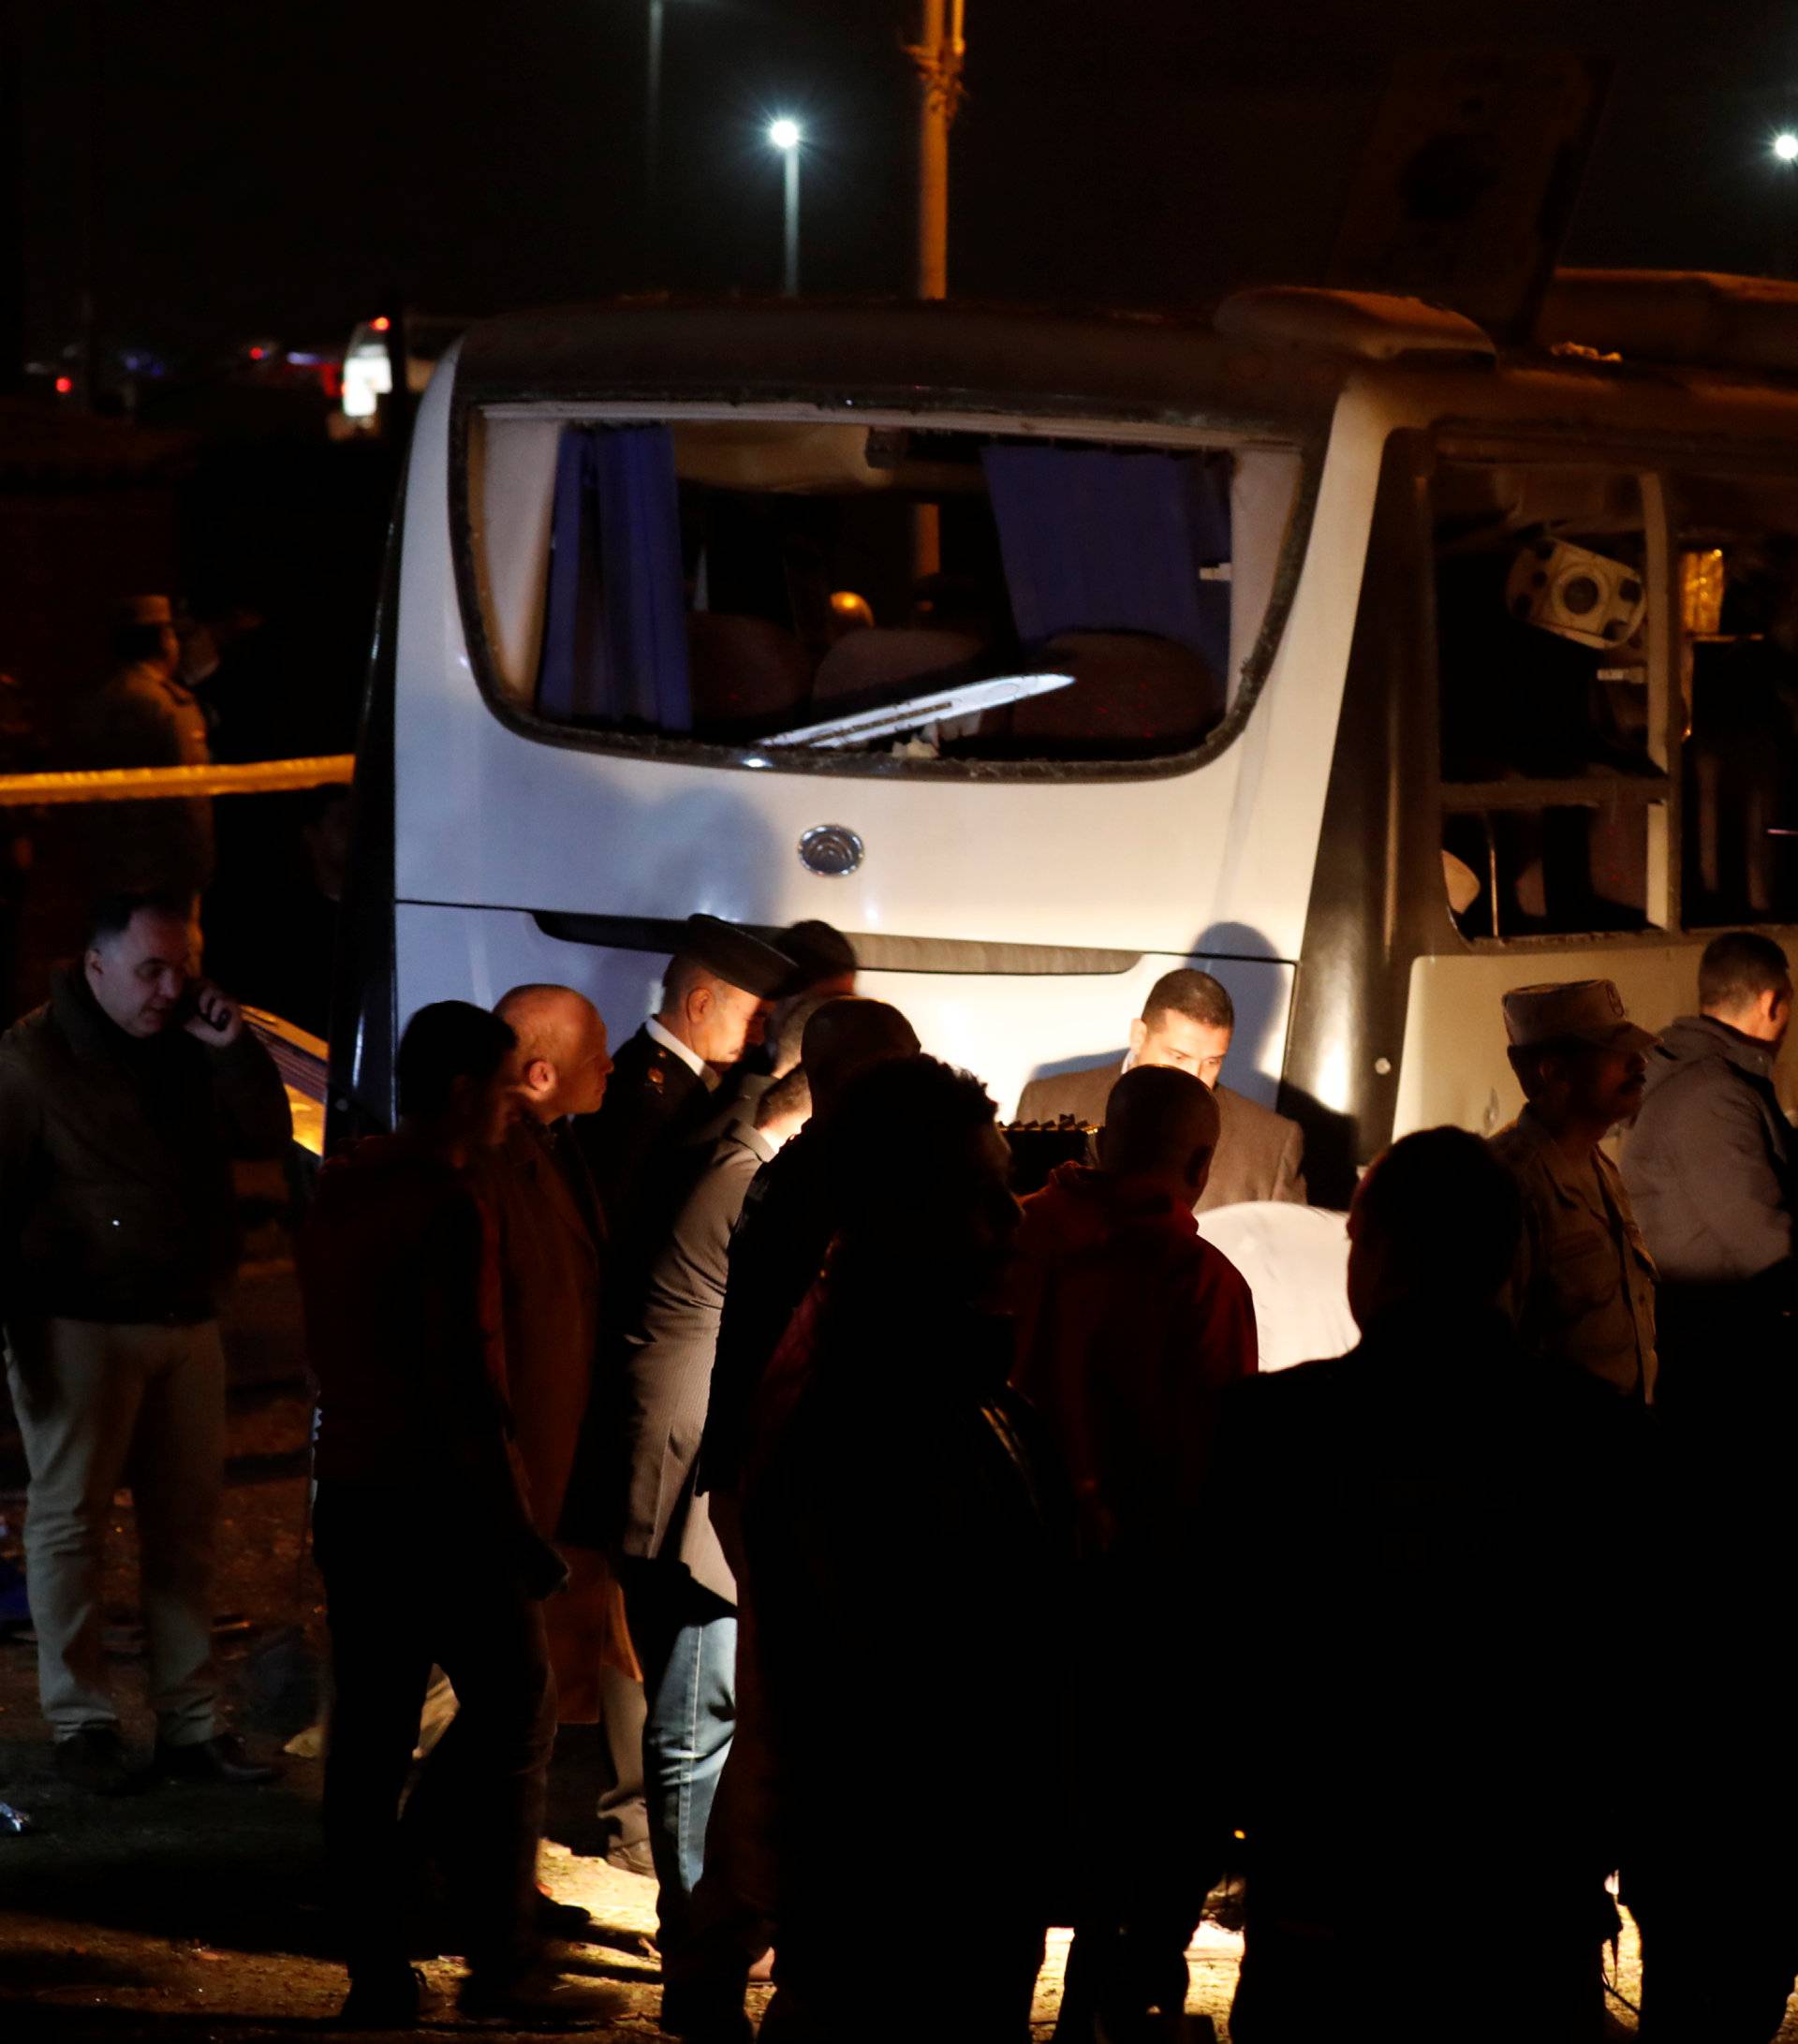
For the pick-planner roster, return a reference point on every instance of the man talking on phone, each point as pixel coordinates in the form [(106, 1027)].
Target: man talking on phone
[(122, 1102)]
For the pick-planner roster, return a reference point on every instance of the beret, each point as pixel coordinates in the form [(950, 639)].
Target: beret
[(736, 957)]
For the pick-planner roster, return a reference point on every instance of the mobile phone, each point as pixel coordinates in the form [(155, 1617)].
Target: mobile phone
[(187, 1008)]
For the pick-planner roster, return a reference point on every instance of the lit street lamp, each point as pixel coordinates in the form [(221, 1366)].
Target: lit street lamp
[(786, 137), (1785, 146)]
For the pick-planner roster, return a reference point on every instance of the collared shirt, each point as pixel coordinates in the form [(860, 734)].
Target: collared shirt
[(1583, 1290), (685, 1052)]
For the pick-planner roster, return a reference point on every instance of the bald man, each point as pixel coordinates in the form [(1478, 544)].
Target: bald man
[(552, 1245), (1130, 1330), (550, 1231)]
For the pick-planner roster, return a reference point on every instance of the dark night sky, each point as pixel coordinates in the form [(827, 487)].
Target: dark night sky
[(285, 170)]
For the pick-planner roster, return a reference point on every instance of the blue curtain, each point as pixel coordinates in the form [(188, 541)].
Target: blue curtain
[(1095, 540), (614, 627)]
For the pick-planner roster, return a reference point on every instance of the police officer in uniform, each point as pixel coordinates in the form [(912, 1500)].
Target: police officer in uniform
[(644, 1150), (1583, 1291), (142, 715), (716, 995)]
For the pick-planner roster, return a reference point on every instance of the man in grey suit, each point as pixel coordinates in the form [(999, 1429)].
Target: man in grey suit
[(680, 1594), (1187, 1022)]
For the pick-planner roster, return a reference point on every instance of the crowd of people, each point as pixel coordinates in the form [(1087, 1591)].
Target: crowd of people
[(977, 1580)]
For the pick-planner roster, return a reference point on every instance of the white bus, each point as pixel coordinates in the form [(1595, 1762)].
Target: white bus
[(1389, 668)]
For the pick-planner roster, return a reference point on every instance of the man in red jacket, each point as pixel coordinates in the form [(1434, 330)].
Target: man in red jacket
[(1130, 1330)]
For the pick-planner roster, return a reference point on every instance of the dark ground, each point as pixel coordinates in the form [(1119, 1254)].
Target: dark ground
[(197, 1914)]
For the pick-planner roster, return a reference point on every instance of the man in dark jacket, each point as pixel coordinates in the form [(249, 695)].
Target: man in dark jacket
[(716, 995), (422, 1533), (1426, 1728), (1713, 1178), (901, 1504), (123, 1103), (679, 1591), (787, 1219)]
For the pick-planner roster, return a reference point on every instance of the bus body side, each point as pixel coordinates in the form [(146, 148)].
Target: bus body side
[(1396, 1020)]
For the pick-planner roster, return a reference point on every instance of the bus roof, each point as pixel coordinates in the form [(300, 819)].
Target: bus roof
[(897, 354), (1274, 358)]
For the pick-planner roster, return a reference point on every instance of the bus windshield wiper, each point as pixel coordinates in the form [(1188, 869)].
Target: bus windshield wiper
[(940, 706)]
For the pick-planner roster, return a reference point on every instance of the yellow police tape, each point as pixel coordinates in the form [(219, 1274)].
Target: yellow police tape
[(140, 784)]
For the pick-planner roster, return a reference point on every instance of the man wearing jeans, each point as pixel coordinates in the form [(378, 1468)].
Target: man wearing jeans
[(122, 1102), (680, 1592)]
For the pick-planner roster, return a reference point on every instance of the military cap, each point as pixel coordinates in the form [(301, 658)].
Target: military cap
[(736, 957), (1572, 1011), (818, 950)]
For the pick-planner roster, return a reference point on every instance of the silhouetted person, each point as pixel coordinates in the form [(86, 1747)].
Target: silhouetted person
[(1711, 1168), (787, 1219), (421, 1530), (143, 715), (122, 1102), (1433, 1538), (1583, 1292), (900, 1501), (1712, 1177), (1131, 1328), (824, 967)]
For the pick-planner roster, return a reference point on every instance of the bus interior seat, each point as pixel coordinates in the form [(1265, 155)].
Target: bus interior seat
[(1132, 689), (741, 669), (880, 659)]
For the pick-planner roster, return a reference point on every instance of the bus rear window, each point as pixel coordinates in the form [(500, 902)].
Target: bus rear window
[(916, 593)]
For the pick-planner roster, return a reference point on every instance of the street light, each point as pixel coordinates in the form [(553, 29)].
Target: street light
[(1785, 146), (786, 137)]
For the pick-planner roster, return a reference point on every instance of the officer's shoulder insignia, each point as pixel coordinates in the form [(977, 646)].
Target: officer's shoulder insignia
[(653, 1075)]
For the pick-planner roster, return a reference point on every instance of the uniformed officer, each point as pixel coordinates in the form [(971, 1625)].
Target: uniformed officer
[(716, 995), (142, 716), (1583, 1288)]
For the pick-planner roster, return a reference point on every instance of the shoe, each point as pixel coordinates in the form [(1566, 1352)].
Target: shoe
[(383, 2001), (632, 1859), (95, 1759), (219, 1758), (539, 2000), (563, 1919)]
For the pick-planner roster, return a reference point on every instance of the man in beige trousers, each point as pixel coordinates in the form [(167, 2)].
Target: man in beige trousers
[(122, 1102)]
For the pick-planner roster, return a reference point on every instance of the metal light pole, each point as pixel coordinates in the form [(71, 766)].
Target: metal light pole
[(652, 105), (938, 56), (786, 137)]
